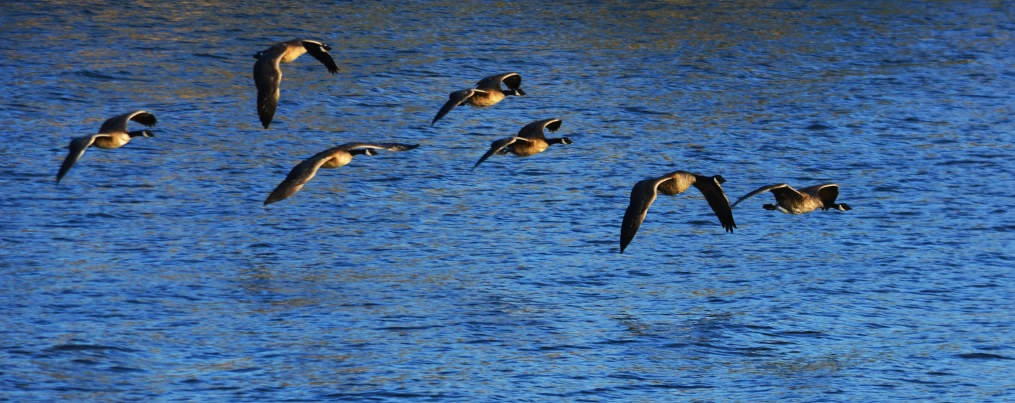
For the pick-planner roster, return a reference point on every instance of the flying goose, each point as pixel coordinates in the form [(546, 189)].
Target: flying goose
[(112, 134), (530, 140), (487, 92), (671, 184), (806, 200), (268, 74), (331, 158)]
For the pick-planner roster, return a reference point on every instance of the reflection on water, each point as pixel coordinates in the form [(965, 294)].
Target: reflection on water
[(154, 270)]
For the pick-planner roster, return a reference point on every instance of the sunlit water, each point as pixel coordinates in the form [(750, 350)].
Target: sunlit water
[(153, 271)]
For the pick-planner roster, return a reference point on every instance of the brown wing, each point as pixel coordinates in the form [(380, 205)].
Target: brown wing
[(454, 99), (300, 175), (267, 78), (496, 146), (511, 80), (763, 189), (534, 130), (77, 149), (786, 195), (716, 198), (827, 193), (642, 196), (118, 124), (294, 181), (378, 146), (320, 52)]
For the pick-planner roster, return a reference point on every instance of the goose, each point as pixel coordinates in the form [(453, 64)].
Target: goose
[(331, 158), (806, 200), (268, 74), (112, 134), (530, 140), (487, 92), (671, 184)]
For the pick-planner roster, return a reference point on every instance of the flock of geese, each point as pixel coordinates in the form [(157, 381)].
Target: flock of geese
[(489, 91)]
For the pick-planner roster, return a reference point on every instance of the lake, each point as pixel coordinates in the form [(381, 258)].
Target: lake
[(153, 272)]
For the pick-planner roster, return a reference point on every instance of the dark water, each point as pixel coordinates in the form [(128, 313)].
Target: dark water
[(153, 271)]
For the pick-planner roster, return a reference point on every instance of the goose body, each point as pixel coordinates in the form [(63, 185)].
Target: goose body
[(268, 73), (806, 200), (331, 158), (645, 192), (112, 134), (531, 140), (487, 92)]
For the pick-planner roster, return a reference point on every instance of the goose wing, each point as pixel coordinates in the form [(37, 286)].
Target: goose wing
[(320, 52), (77, 149), (378, 146), (642, 196), (267, 78), (454, 99), (534, 130), (716, 198), (763, 189), (306, 170), (511, 80), (118, 124), (786, 195), (299, 176), (827, 193), (496, 146)]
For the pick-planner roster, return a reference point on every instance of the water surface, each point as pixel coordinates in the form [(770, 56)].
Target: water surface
[(153, 271)]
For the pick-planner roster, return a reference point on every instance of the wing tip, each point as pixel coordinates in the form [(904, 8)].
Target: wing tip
[(625, 242), (272, 198)]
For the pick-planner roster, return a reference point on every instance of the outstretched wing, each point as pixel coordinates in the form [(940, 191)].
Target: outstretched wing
[(511, 80), (378, 146), (118, 124), (534, 130), (642, 196), (77, 149), (320, 52), (294, 181), (760, 190), (306, 170), (454, 99), (299, 176), (716, 198), (828, 193), (267, 77), (496, 146)]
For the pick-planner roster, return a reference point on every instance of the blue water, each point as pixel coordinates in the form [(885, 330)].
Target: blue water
[(153, 272)]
